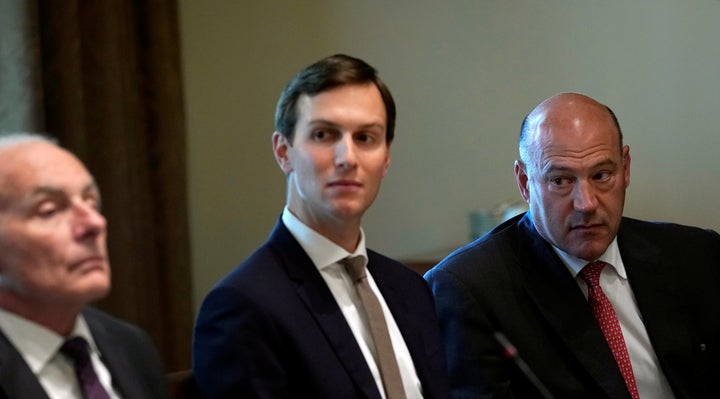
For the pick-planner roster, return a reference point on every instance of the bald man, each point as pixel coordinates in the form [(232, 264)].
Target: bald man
[(597, 305)]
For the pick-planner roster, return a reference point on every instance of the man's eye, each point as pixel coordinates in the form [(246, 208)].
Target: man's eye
[(370, 138), (320, 135), (93, 202), (365, 138), (47, 210), (602, 176)]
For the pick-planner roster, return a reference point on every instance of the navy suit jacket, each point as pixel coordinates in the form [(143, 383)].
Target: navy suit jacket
[(127, 352), (272, 329), (512, 281)]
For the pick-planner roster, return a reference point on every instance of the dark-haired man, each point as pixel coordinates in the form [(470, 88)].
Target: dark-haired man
[(290, 321)]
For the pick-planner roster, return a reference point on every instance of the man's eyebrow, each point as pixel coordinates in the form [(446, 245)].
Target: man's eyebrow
[(92, 186), (562, 168), (52, 190), (46, 190), (325, 122), (315, 123), (373, 125)]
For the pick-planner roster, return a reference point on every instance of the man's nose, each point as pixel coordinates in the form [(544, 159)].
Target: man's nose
[(89, 220), (584, 197), (345, 152)]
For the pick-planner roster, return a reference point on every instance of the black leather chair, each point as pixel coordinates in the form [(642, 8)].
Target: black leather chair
[(182, 385)]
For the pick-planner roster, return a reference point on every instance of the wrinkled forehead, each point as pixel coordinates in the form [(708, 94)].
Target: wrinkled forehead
[(26, 166), (571, 143)]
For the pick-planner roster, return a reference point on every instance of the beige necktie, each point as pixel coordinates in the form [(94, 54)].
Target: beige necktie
[(384, 353), (607, 319)]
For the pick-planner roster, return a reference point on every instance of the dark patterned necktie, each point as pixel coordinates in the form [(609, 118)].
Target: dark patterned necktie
[(384, 352), (77, 349), (607, 318)]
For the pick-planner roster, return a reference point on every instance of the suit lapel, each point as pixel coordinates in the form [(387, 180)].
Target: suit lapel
[(314, 293), (654, 296), (398, 300), (115, 358), (659, 300), (561, 302), (16, 378)]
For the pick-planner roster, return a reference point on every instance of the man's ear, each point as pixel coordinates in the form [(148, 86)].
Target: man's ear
[(387, 161), (626, 165), (281, 150), (522, 180)]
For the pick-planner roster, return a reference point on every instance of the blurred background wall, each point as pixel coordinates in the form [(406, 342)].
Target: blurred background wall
[(464, 74)]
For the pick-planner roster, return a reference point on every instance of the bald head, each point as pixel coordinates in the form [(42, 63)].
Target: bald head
[(567, 111), (573, 172)]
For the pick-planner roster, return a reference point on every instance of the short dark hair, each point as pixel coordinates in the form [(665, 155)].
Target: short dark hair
[(325, 74)]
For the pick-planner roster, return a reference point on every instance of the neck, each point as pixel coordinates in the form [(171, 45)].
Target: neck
[(343, 231), (348, 240), (344, 235), (60, 319)]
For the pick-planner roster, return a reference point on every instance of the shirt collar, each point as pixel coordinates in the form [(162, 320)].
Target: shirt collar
[(322, 251), (38, 344), (611, 257)]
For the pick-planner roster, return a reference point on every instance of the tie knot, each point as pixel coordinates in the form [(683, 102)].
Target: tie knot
[(77, 349), (355, 267), (591, 272)]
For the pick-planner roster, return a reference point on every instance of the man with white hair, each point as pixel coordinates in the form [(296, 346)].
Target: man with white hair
[(53, 263)]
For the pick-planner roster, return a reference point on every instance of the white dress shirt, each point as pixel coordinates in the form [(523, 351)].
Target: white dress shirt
[(650, 380), (325, 255), (40, 347)]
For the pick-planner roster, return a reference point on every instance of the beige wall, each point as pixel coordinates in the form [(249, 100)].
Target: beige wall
[(464, 73)]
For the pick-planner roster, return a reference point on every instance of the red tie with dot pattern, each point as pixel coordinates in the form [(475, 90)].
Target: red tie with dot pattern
[(606, 317)]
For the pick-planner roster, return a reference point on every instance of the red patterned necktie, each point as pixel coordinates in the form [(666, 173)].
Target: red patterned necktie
[(607, 318)]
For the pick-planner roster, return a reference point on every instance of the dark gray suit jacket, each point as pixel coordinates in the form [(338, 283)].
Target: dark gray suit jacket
[(127, 352), (512, 281), (272, 329)]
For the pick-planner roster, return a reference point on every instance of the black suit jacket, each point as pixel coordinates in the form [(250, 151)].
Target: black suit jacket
[(127, 352), (272, 329), (512, 281)]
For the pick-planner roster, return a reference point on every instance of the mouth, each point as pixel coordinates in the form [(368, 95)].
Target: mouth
[(586, 227), (345, 185), (90, 263)]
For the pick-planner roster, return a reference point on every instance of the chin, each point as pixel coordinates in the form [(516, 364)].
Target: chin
[(588, 254), (349, 211), (96, 293), (95, 288)]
